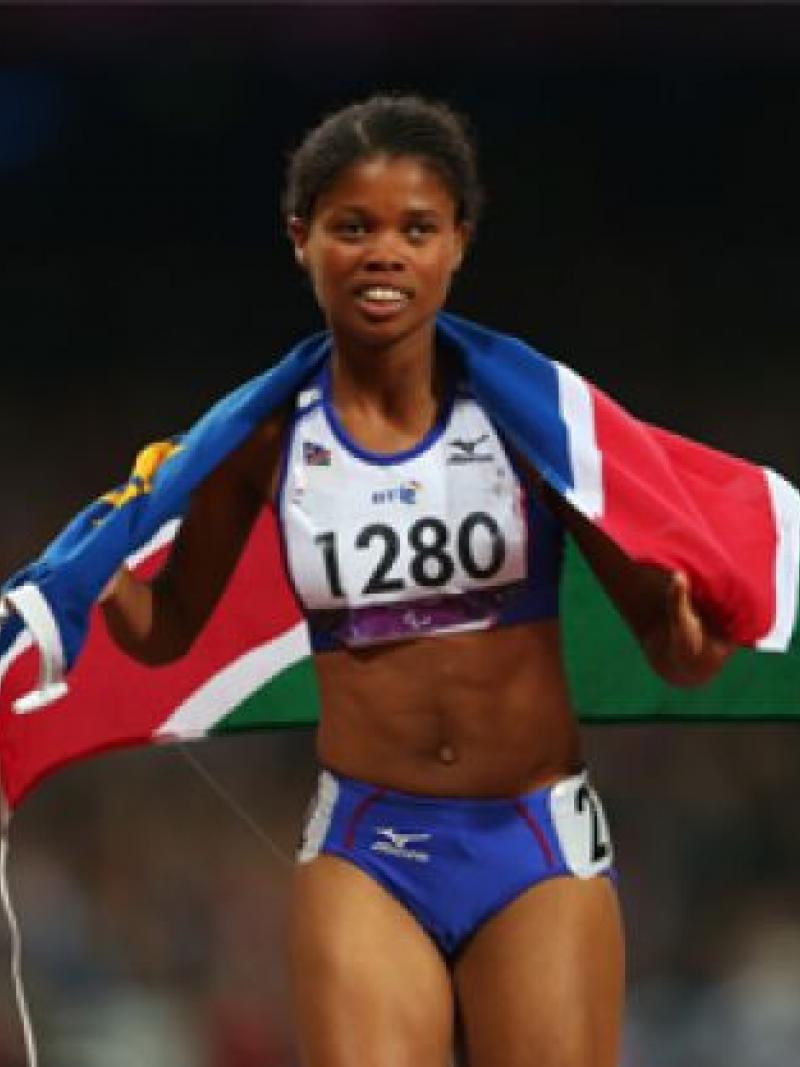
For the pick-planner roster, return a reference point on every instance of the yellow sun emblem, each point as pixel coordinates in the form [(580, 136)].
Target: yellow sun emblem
[(140, 482)]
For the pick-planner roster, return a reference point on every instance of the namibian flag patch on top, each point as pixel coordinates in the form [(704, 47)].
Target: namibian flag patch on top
[(316, 455)]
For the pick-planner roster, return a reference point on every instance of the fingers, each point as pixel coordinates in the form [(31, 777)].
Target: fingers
[(680, 590), (685, 623), (699, 637)]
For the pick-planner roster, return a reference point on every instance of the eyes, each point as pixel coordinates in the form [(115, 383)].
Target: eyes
[(354, 229)]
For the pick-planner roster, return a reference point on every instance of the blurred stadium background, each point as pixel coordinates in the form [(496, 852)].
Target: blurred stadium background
[(642, 225)]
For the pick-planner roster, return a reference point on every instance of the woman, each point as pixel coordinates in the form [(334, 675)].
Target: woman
[(456, 859)]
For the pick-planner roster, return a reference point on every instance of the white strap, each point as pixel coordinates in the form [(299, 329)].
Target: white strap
[(35, 612), (16, 940), (307, 397)]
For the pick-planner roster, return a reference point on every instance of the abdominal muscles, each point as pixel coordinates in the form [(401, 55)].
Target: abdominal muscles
[(469, 714)]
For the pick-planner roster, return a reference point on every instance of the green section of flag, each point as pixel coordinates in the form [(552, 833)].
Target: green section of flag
[(291, 698), (611, 680)]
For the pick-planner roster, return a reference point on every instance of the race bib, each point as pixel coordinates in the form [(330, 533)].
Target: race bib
[(582, 828)]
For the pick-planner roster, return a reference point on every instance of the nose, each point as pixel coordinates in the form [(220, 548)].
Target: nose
[(385, 254)]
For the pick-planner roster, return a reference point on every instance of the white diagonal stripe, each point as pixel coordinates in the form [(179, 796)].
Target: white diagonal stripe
[(786, 511), (577, 411), (234, 683), (163, 536)]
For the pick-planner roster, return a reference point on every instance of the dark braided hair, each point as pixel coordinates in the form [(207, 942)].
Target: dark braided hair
[(392, 126)]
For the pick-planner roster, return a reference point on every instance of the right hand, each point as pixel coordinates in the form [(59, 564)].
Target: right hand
[(684, 647)]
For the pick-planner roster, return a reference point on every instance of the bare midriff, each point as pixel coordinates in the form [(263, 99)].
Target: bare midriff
[(473, 714), (480, 714)]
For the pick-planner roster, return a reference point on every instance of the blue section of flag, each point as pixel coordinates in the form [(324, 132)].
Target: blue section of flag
[(519, 388)]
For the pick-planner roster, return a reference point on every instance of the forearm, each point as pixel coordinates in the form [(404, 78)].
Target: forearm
[(144, 620), (681, 645)]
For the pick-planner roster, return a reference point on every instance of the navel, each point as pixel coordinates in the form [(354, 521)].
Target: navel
[(447, 754)]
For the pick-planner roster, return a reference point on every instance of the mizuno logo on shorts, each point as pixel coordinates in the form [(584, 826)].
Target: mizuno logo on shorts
[(392, 843)]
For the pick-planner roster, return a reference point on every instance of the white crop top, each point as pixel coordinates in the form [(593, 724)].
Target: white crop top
[(435, 539)]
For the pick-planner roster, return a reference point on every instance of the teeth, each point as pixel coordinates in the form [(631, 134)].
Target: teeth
[(379, 293)]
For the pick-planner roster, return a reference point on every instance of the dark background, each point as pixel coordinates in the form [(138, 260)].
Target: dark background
[(642, 226)]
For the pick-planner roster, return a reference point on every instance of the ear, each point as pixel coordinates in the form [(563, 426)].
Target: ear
[(297, 230), (463, 238)]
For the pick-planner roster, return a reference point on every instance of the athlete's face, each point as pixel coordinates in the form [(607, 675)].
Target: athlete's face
[(381, 249)]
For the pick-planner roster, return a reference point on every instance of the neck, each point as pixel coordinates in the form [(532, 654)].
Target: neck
[(400, 380)]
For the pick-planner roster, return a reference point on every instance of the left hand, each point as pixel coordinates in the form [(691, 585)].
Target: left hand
[(686, 649)]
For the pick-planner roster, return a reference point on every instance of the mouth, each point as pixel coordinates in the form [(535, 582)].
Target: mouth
[(382, 301)]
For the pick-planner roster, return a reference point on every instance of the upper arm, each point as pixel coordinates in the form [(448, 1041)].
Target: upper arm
[(216, 527)]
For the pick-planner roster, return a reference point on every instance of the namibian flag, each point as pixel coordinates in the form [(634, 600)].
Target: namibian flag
[(732, 526), (316, 455)]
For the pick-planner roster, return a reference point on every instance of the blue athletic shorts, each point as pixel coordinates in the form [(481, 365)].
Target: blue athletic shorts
[(453, 861)]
